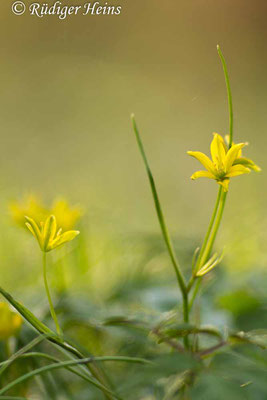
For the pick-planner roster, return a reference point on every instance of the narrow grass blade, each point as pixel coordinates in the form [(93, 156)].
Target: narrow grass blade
[(81, 375), (29, 355), (20, 352), (161, 219), (136, 360), (12, 398), (38, 325), (60, 365), (229, 96), (52, 337), (28, 315)]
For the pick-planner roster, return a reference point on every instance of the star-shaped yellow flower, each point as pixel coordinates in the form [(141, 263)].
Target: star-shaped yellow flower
[(224, 163), (47, 234)]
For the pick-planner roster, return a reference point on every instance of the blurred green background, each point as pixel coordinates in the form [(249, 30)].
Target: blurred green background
[(67, 91)]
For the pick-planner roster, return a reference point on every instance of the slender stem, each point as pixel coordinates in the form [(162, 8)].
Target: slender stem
[(216, 227), (200, 260), (221, 195), (221, 198), (186, 318), (195, 292), (52, 310), (229, 95), (212, 349), (209, 245)]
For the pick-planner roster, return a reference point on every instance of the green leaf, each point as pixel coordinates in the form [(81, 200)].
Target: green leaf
[(181, 330)]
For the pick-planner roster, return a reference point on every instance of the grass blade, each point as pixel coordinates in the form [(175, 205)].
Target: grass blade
[(28, 315), (20, 352), (53, 337), (161, 219), (66, 364), (12, 398)]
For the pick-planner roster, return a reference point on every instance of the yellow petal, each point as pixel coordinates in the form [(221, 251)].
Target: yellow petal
[(34, 229), (224, 184), (30, 229), (218, 151), (202, 174), (247, 163), (232, 154), (65, 237), (201, 157), (227, 140), (50, 228), (237, 170)]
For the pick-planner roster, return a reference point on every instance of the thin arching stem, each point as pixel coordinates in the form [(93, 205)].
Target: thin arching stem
[(229, 95), (221, 198), (202, 260), (216, 228), (52, 310)]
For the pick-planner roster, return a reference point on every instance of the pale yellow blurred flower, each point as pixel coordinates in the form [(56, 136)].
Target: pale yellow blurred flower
[(31, 206), (66, 216), (10, 322)]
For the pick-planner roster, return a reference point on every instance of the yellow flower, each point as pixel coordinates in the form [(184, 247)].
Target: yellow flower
[(10, 322), (224, 163), (31, 206), (66, 216), (47, 234)]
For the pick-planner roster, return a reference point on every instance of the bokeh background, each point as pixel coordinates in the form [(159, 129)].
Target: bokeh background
[(69, 87), (67, 91)]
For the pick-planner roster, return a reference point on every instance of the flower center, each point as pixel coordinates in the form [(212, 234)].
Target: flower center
[(220, 174)]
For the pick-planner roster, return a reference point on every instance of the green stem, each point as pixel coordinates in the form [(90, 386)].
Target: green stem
[(195, 292), (221, 198), (216, 228), (186, 319), (52, 310), (201, 261), (209, 246), (229, 96)]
